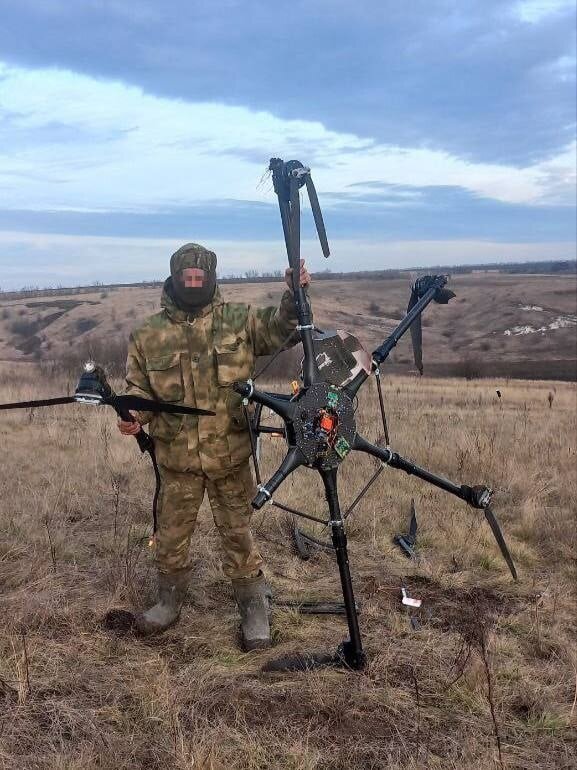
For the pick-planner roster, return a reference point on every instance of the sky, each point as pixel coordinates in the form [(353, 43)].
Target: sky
[(437, 131)]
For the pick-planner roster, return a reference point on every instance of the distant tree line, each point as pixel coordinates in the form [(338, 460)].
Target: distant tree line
[(545, 267)]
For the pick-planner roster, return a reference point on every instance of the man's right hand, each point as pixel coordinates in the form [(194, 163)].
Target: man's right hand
[(129, 428)]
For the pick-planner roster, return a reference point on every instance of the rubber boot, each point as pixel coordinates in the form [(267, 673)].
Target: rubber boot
[(166, 612), (253, 597)]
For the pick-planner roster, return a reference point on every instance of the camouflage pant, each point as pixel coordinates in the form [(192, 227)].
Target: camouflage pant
[(181, 495)]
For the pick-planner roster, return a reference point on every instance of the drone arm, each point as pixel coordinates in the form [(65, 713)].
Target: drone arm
[(291, 462), (477, 497), (460, 491), (394, 460), (384, 350), (279, 404)]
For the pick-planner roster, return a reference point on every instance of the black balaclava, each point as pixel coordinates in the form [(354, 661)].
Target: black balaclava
[(193, 277)]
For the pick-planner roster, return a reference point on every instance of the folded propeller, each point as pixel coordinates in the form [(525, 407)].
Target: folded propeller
[(94, 389), (418, 290)]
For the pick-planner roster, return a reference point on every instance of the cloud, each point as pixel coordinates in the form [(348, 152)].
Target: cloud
[(533, 11), (71, 142), (492, 82)]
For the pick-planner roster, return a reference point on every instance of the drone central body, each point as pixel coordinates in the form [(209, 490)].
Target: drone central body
[(323, 425)]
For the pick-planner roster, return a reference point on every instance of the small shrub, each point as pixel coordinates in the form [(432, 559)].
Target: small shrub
[(24, 327), (85, 325), (31, 346), (374, 308)]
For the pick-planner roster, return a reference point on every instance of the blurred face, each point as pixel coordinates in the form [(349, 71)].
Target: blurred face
[(193, 288), (192, 277)]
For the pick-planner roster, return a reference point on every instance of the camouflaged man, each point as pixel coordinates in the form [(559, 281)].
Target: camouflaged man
[(191, 353)]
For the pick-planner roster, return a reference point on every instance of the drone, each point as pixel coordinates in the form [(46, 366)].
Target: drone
[(319, 416)]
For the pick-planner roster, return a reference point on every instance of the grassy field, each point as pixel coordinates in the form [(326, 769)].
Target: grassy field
[(489, 680), (498, 324)]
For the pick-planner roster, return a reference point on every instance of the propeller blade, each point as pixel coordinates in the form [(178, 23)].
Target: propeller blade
[(413, 523), (443, 296), (416, 333), (494, 524), (42, 402), (317, 215), (147, 405), (295, 229)]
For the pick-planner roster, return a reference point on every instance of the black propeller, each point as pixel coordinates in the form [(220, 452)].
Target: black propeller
[(146, 405), (317, 215), (480, 497), (122, 402), (441, 297), (496, 528), (41, 402), (416, 333)]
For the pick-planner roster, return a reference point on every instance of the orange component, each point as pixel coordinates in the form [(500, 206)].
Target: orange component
[(327, 422), (295, 387)]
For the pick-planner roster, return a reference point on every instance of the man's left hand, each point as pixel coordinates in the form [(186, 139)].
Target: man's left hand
[(305, 278)]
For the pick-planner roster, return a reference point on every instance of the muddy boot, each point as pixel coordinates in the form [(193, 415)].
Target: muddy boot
[(253, 597), (166, 612)]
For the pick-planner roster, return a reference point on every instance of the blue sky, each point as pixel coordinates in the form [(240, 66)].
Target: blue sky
[(438, 131)]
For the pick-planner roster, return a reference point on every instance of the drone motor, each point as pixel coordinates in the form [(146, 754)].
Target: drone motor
[(92, 387)]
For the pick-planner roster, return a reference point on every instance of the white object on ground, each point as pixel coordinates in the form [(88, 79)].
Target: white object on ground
[(408, 601)]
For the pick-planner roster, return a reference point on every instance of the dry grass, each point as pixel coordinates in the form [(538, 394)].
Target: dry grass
[(75, 518)]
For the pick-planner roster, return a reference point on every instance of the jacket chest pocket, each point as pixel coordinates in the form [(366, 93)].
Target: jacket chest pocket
[(234, 360), (165, 376)]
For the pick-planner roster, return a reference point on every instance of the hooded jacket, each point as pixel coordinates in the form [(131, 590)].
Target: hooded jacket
[(194, 360)]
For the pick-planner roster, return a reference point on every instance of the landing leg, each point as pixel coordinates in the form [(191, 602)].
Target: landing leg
[(350, 653), (352, 648)]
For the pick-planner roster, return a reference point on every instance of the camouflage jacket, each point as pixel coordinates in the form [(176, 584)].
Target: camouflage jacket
[(194, 361)]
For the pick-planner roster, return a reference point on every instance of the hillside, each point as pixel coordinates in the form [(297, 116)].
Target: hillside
[(498, 324)]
